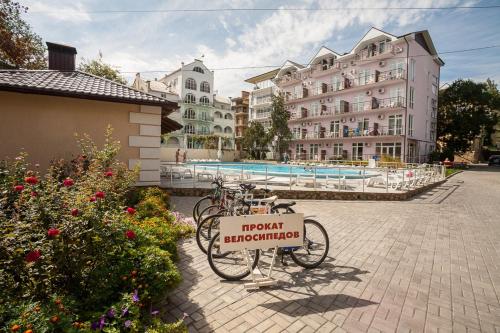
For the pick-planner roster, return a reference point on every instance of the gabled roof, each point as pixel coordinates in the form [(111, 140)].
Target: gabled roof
[(372, 33), (423, 38), (263, 76), (76, 84), (289, 64), (322, 52)]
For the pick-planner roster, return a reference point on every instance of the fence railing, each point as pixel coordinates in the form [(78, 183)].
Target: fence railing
[(326, 176)]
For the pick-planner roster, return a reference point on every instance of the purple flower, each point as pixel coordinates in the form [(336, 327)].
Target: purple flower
[(111, 313), (102, 322), (124, 312), (135, 296), (155, 312), (127, 323), (94, 326)]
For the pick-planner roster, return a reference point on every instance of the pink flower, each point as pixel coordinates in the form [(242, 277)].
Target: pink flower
[(32, 180), (92, 199), (100, 194), (68, 182), (53, 232), (74, 212), (19, 188), (130, 210), (33, 256), (130, 234), (34, 194), (108, 173)]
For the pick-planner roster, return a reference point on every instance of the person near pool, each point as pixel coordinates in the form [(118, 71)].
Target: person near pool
[(177, 155), (184, 156)]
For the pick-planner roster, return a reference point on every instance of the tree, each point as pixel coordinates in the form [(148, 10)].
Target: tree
[(19, 45), (465, 113), (255, 140), (279, 132), (98, 67)]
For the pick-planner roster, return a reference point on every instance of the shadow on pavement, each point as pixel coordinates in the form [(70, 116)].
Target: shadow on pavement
[(315, 304)]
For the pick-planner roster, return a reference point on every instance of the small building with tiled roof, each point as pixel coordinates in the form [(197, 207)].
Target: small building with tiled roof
[(41, 110)]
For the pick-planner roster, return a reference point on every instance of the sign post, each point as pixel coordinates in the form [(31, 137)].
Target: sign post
[(258, 232)]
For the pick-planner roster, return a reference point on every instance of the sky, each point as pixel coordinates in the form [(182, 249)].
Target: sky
[(160, 41)]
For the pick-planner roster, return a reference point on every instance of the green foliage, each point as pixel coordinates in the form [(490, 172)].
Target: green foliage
[(98, 67), (255, 140), (465, 113), (280, 131), (70, 251), (19, 45), (209, 141)]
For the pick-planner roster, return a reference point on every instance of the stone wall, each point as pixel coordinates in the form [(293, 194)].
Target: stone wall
[(317, 195)]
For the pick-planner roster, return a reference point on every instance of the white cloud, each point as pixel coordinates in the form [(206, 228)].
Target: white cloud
[(75, 12)]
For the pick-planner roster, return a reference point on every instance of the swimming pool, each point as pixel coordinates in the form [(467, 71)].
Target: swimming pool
[(284, 170)]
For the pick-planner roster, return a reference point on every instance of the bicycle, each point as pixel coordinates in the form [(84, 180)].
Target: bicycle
[(236, 265)]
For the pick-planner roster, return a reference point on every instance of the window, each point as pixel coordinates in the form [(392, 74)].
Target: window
[(204, 100), (359, 102), (217, 114), (364, 77), (189, 114), (297, 92), (205, 87), (204, 130), (396, 99), (228, 116), (313, 151), (204, 116), (338, 149), (337, 106), (228, 129), (396, 69), (412, 69), (410, 125), (189, 98), (426, 129), (199, 70), (336, 83), (314, 109), (189, 128), (357, 151), (412, 97), (363, 126), (190, 84), (217, 129), (395, 125), (335, 128), (298, 151), (392, 149)]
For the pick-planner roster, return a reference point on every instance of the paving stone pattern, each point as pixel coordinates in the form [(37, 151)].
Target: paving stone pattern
[(430, 264)]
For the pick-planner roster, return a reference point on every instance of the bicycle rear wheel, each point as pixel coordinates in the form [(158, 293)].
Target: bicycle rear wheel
[(230, 265), (208, 227), (203, 203), (207, 211), (315, 248)]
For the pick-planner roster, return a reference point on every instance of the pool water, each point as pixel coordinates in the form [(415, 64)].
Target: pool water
[(283, 170)]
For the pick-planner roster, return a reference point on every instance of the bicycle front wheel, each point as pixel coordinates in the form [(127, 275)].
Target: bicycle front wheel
[(315, 248), (208, 227), (207, 211), (203, 203), (231, 265)]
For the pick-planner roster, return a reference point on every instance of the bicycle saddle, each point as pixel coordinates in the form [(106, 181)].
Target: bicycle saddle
[(247, 187)]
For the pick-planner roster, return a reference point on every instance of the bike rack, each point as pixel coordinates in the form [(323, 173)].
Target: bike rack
[(265, 280)]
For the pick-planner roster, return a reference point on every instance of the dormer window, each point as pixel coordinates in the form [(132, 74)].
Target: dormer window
[(199, 70)]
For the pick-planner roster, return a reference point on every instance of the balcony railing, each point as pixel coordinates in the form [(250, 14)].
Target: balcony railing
[(199, 118), (349, 132), (261, 115), (198, 132)]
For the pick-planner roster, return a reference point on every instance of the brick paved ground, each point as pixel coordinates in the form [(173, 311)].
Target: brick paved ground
[(431, 264)]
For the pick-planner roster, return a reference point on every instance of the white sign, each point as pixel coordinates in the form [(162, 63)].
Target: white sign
[(253, 232)]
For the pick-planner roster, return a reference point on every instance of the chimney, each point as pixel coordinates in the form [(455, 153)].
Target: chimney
[(61, 57)]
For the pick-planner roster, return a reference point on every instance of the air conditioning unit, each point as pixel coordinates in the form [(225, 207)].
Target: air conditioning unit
[(353, 71), (397, 49), (322, 101), (352, 119), (329, 99), (311, 83), (352, 63), (368, 93), (345, 65), (337, 65), (309, 124), (380, 116), (367, 144), (343, 73), (382, 63), (342, 120), (381, 90), (303, 124)]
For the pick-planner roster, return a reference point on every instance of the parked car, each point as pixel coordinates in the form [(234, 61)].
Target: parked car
[(494, 160)]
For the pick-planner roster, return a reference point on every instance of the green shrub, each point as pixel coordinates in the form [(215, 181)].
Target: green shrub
[(72, 254)]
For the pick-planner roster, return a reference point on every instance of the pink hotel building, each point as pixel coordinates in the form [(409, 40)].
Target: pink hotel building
[(378, 99)]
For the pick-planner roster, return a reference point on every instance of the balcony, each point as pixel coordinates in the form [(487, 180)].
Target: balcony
[(197, 132), (347, 132), (197, 118), (257, 116)]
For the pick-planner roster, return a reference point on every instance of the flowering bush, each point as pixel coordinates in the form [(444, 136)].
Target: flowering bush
[(75, 254)]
